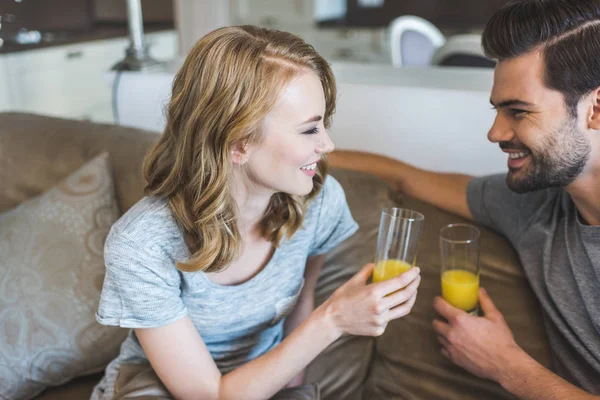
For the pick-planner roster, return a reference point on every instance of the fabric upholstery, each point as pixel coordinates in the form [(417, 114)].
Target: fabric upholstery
[(343, 367), (37, 152), (407, 362), (51, 273)]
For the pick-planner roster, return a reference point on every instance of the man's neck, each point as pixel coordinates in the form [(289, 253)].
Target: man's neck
[(585, 192)]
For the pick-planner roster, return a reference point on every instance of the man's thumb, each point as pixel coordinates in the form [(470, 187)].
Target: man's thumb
[(487, 305)]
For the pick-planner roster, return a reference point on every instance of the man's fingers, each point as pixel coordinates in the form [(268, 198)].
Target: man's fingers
[(445, 309), (487, 305), (443, 342), (441, 328)]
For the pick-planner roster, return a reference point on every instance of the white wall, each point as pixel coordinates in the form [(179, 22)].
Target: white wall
[(5, 91), (196, 18), (433, 118)]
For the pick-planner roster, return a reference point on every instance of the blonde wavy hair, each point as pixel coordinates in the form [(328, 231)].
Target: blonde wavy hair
[(228, 83)]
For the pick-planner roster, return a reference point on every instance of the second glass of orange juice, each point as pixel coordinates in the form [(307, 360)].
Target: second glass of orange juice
[(459, 246), (399, 232)]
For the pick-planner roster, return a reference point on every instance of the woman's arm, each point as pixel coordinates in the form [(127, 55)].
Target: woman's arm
[(306, 303), (183, 363)]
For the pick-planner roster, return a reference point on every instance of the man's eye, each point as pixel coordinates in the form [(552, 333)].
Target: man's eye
[(312, 131), (515, 112)]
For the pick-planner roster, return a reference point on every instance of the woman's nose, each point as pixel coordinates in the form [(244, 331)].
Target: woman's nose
[(325, 144)]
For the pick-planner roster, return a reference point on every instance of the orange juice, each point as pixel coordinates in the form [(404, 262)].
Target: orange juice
[(459, 288), (387, 269)]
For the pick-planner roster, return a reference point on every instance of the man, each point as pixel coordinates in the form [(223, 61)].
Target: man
[(547, 96)]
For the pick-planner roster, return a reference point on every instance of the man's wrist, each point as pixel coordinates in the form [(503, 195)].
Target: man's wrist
[(515, 367)]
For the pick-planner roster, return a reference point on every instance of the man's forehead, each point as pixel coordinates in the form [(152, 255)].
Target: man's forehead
[(519, 78)]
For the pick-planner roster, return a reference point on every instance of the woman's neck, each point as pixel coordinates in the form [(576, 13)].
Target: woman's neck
[(252, 202)]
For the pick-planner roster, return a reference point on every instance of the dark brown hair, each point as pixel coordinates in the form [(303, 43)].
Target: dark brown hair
[(566, 31)]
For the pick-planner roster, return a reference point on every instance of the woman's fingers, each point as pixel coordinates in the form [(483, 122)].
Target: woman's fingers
[(403, 309), (398, 282), (402, 295)]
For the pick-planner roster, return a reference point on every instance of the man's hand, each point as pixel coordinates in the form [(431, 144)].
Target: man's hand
[(478, 344)]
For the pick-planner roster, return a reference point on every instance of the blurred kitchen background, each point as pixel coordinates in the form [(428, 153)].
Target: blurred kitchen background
[(56, 56)]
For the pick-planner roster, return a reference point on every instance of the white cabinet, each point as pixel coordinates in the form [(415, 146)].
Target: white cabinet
[(5, 91), (69, 81)]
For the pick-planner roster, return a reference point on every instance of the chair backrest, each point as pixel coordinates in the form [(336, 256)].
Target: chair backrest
[(462, 51), (413, 41)]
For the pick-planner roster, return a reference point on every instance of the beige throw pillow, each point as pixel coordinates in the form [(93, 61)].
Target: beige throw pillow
[(51, 273)]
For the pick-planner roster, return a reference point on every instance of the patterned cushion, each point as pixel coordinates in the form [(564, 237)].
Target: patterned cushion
[(51, 273)]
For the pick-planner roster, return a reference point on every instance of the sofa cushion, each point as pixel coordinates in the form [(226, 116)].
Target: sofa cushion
[(37, 151), (51, 273), (407, 362), (343, 367)]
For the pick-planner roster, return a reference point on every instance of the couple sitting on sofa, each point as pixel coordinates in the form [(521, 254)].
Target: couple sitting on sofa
[(215, 270)]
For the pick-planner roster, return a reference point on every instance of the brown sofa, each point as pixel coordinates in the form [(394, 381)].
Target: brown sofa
[(36, 152)]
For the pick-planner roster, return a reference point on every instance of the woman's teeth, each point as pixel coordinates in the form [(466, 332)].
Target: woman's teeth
[(309, 167), (514, 156)]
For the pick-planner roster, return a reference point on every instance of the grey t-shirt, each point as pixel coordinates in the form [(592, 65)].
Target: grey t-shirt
[(561, 259), (143, 289)]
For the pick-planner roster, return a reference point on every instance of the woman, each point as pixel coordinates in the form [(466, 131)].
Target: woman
[(215, 269)]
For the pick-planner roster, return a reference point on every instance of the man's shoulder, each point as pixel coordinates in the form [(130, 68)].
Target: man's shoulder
[(493, 203)]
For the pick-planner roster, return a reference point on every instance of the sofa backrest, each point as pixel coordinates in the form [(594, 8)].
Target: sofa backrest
[(37, 152)]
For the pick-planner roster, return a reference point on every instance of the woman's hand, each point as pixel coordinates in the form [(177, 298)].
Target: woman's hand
[(360, 309)]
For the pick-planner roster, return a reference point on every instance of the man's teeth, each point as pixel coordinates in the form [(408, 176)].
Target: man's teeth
[(309, 167), (514, 156)]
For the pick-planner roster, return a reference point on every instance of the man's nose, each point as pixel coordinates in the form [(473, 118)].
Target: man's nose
[(501, 130)]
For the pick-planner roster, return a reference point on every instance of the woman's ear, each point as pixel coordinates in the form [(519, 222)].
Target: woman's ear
[(594, 120), (240, 154)]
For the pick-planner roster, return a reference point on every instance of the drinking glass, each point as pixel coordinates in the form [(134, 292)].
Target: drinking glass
[(399, 232), (459, 247)]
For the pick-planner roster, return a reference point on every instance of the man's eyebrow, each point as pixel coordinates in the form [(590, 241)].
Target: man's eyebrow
[(511, 102), (316, 118)]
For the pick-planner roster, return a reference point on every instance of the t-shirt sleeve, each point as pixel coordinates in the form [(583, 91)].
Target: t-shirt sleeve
[(495, 205), (334, 220), (141, 286)]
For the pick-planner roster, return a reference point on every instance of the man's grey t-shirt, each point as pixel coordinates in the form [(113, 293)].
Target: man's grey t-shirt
[(561, 259), (143, 289)]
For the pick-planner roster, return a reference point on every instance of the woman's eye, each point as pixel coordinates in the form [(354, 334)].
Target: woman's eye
[(312, 131)]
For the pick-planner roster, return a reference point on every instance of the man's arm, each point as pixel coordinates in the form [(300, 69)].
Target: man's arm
[(444, 190), (485, 347)]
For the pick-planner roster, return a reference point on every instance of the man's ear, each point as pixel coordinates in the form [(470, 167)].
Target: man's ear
[(240, 153), (594, 120)]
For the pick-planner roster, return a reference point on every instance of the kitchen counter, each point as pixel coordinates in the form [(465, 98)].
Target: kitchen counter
[(98, 32)]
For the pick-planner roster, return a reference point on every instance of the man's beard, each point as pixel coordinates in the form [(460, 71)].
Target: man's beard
[(558, 161)]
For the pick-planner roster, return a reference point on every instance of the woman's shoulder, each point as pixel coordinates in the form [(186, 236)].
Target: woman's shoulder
[(148, 221), (331, 195)]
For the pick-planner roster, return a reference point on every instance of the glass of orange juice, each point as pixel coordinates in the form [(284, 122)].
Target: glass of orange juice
[(399, 232), (459, 245)]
